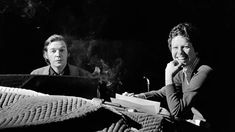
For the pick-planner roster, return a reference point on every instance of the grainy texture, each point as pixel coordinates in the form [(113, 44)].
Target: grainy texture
[(27, 110)]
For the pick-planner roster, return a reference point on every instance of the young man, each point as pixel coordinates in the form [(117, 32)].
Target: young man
[(56, 53)]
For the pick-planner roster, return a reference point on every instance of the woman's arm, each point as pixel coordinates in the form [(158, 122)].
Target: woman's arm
[(178, 100)]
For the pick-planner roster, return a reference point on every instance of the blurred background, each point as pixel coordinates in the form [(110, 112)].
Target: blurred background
[(128, 38)]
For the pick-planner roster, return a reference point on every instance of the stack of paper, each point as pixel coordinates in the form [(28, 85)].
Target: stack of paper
[(139, 104)]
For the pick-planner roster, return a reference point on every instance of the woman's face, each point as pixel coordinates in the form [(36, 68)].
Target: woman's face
[(182, 50)]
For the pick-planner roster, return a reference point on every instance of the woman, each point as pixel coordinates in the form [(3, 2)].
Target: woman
[(187, 79)]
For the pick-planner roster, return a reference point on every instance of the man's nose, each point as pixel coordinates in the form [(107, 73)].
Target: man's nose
[(57, 53)]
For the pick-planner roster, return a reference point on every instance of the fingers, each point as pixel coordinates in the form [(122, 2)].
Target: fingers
[(178, 63), (125, 93), (137, 95), (179, 66), (128, 94), (175, 62)]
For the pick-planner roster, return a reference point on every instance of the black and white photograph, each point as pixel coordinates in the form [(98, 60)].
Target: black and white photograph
[(117, 65)]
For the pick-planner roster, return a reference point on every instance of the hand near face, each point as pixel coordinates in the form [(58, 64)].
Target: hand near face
[(172, 68)]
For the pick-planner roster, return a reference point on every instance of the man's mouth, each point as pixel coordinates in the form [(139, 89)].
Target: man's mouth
[(58, 60)]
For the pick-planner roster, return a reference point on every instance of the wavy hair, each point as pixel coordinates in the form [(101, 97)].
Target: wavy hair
[(186, 30)]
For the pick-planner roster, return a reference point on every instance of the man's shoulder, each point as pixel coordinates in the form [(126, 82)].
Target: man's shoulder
[(72, 66), (41, 70), (78, 71)]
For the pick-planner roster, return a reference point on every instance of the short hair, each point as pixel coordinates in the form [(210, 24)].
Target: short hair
[(186, 30), (56, 37)]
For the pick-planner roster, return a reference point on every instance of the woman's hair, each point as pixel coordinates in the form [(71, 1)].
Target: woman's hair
[(186, 30), (56, 37)]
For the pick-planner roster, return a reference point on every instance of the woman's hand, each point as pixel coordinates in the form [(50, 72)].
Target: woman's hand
[(172, 68), (134, 95), (128, 94)]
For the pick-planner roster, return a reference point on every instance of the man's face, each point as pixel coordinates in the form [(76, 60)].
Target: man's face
[(182, 50), (57, 54)]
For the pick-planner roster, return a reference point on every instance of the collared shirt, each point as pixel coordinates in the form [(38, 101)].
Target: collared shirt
[(64, 72), (188, 70)]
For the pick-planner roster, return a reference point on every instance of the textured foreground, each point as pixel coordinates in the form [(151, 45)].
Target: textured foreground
[(30, 110)]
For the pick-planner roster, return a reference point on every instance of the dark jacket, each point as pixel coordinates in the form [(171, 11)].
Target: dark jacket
[(73, 71)]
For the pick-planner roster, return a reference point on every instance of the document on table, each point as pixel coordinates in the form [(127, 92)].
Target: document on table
[(143, 105)]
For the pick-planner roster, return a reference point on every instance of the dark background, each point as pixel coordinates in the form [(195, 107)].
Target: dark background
[(135, 31), (140, 28)]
